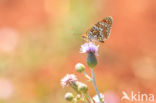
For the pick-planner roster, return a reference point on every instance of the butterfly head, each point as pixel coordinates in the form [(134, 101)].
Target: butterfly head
[(84, 36)]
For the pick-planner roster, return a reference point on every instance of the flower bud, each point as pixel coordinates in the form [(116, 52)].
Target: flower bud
[(79, 67), (82, 87), (69, 96), (78, 97), (91, 60)]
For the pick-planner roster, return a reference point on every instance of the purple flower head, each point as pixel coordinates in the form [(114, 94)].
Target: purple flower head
[(96, 98), (89, 48), (67, 79)]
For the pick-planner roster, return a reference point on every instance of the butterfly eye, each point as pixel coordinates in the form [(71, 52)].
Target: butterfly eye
[(83, 37)]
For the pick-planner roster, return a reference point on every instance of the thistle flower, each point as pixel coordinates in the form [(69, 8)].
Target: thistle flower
[(96, 98), (79, 67), (78, 97), (83, 88), (68, 79), (69, 96), (92, 50), (89, 48)]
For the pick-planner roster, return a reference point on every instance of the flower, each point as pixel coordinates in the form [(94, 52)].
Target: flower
[(92, 50), (79, 67), (96, 98), (89, 48), (67, 79), (69, 96), (83, 88)]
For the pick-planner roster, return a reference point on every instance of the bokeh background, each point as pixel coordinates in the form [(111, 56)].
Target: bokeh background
[(40, 42)]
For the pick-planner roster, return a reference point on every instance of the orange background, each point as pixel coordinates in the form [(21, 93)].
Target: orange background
[(40, 42)]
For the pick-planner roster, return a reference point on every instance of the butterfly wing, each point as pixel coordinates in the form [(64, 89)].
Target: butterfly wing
[(100, 31), (107, 26)]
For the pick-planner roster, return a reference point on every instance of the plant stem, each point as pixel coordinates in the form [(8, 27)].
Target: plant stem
[(87, 76), (84, 98), (95, 86), (90, 99)]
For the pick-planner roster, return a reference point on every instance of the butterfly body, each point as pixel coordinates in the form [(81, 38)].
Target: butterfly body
[(100, 31)]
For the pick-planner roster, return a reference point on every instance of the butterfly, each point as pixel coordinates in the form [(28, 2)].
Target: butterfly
[(100, 31)]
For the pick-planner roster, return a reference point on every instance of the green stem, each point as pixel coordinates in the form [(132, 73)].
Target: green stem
[(95, 86), (87, 76), (84, 98), (90, 99)]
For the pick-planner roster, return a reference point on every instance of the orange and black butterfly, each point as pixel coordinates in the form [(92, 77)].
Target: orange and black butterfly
[(100, 31)]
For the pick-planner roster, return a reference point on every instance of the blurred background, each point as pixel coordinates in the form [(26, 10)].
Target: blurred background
[(40, 42)]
